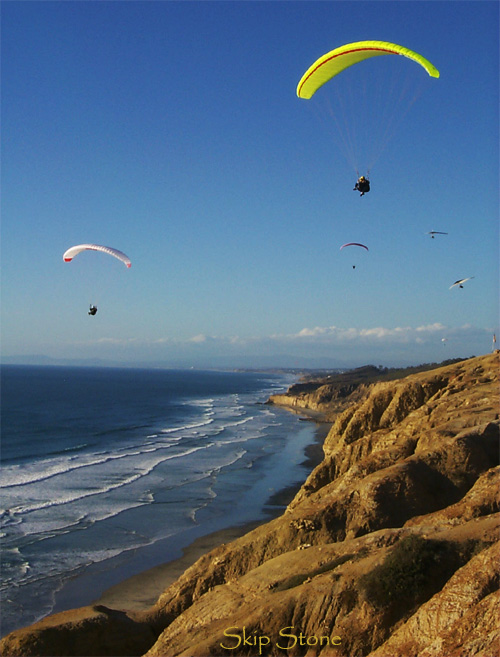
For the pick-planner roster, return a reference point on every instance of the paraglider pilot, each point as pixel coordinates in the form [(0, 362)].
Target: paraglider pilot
[(362, 185), (92, 310)]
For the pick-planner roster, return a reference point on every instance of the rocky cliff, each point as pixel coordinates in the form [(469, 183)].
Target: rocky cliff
[(391, 547)]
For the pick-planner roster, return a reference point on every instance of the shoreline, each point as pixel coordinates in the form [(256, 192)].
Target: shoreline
[(140, 592)]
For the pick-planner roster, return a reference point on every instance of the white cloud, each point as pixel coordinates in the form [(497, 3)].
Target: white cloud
[(338, 335), (318, 330), (198, 339), (431, 327), (116, 341)]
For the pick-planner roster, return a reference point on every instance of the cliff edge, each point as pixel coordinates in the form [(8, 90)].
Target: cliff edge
[(391, 547)]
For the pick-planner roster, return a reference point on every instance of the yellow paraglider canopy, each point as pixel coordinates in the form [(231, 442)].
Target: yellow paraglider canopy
[(336, 61)]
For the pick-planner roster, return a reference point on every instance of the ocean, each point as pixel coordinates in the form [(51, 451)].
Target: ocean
[(107, 472)]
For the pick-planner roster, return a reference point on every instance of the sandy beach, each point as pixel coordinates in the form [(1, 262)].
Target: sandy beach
[(140, 591)]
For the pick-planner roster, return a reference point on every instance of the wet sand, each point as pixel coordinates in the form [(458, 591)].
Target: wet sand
[(141, 591)]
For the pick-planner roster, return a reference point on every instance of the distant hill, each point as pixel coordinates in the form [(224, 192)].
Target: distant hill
[(327, 393)]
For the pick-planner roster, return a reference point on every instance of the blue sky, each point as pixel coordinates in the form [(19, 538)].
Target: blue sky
[(172, 131)]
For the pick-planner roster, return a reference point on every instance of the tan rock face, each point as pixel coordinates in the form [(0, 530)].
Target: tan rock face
[(86, 632), (412, 462), (448, 623)]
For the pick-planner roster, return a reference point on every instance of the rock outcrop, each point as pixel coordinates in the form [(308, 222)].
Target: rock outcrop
[(391, 547)]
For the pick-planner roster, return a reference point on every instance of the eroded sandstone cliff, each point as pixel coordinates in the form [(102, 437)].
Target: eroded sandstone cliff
[(389, 549)]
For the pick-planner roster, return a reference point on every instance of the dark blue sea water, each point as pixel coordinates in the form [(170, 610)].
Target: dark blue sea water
[(99, 466)]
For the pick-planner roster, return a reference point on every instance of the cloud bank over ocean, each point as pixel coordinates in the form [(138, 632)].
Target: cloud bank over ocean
[(318, 346)]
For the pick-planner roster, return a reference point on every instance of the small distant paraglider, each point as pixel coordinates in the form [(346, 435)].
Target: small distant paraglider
[(460, 282), (433, 233), (75, 250), (362, 246)]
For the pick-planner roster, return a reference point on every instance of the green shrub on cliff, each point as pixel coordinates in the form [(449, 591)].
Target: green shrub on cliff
[(413, 571)]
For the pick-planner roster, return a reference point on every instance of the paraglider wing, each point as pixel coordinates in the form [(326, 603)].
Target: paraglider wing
[(336, 61), (354, 244), (75, 250)]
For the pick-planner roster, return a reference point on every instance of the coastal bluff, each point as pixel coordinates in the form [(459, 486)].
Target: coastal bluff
[(389, 549)]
